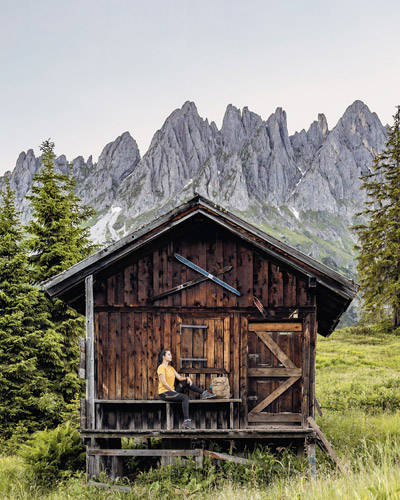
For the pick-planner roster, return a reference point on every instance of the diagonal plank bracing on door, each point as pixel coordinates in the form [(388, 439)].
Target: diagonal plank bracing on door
[(273, 347), (281, 389)]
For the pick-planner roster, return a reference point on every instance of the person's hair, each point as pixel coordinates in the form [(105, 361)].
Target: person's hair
[(160, 356)]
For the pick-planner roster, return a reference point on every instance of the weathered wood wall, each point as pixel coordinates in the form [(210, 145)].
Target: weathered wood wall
[(131, 329), (252, 274)]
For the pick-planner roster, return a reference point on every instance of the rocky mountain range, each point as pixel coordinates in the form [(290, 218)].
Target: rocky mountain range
[(303, 188)]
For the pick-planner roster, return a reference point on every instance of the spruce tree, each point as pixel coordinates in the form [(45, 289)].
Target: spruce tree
[(379, 238), (57, 241), (25, 390)]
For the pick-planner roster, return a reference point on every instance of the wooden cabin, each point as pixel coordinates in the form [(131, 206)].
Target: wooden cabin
[(270, 361)]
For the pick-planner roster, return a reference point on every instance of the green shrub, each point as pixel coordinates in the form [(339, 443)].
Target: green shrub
[(185, 480), (53, 455)]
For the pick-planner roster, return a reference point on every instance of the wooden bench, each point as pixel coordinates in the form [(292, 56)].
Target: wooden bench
[(169, 414)]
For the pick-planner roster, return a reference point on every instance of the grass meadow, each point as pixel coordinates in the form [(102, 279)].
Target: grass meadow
[(358, 387)]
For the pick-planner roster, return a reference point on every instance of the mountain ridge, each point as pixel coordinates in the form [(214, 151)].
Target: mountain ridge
[(302, 188)]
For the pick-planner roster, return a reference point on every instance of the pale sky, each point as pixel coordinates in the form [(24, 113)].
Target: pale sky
[(82, 72)]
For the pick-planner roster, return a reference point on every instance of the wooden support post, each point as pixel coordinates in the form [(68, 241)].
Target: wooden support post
[(90, 382), (83, 414), (82, 358), (116, 461), (231, 422), (313, 346), (300, 448), (305, 408), (169, 416), (166, 444), (325, 442), (93, 467), (310, 447), (199, 460), (318, 407)]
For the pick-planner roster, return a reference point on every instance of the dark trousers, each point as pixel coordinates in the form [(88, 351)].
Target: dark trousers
[(178, 395)]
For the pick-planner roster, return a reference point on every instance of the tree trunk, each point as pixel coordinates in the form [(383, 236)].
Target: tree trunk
[(396, 318)]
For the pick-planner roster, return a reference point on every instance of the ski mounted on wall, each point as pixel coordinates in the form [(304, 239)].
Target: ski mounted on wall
[(188, 284), (259, 306), (206, 274)]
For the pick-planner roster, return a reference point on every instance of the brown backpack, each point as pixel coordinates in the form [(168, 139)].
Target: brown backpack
[(220, 387)]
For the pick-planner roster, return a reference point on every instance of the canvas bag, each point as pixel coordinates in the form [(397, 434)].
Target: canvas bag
[(220, 387)]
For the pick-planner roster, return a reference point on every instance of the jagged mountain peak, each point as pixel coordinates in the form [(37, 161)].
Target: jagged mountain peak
[(279, 116), (177, 151), (277, 122), (360, 129), (317, 133), (124, 142), (189, 109), (244, 116), (29, 152), (237, 127), (322, 124), (332, 179), (126, 135), (356, 107), (278, 131), (358, 119), (182, 122), (62, 159)]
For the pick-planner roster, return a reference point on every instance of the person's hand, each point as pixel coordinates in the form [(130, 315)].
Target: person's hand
[(189, 380)]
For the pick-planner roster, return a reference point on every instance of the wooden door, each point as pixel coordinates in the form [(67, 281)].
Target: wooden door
[(274, 373)]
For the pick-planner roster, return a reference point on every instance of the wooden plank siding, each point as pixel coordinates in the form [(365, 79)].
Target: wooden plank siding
[(131, 329), (157, 271)]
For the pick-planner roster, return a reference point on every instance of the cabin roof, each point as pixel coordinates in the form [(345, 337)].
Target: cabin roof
[(334, 291)]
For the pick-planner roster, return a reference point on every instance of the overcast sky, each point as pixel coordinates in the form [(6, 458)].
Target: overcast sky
[(82, 72)]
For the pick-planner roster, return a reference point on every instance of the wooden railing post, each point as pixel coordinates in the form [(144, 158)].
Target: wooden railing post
[(90, 382)]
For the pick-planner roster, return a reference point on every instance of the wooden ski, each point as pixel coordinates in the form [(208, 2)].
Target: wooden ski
[(188, 284), (260, 307), (206, 274)]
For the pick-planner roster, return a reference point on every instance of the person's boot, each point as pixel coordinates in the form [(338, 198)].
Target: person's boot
[(187, 424), (207, 395)]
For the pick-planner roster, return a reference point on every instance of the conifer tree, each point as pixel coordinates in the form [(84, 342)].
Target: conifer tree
[(57, 238), (379, 238), (25, 390), (57, 241)]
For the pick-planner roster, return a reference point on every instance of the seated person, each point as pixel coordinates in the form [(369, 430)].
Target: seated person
[(170, 390)]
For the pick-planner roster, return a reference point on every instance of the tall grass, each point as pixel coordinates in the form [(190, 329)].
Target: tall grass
[(381, 484), (358, 367), (372, 473)]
